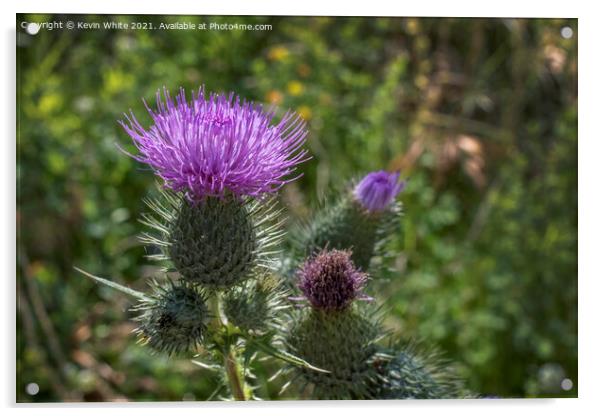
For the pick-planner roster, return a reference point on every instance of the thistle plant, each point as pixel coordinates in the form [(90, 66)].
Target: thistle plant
[(216, 230)]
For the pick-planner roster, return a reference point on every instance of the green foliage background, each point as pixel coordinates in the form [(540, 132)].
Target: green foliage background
[(479, 114)]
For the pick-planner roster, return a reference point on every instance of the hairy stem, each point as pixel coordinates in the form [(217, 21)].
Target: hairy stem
[(234, 377)]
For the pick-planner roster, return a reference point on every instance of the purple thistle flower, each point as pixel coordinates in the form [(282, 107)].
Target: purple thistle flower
[(377, 190), (330, 280), (218, 145)]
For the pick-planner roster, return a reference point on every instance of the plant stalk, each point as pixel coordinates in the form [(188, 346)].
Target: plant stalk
[(234, 377)]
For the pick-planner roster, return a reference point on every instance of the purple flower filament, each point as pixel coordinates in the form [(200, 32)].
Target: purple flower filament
[(210, 147), (330, 281)]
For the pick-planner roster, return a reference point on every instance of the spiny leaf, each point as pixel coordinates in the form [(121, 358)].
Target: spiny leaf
[(284, 356), (210, 367), (121, 288)]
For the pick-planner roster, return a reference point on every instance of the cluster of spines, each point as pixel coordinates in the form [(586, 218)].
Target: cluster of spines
[(226, 245), (173, 319), (343, 343), (217, 243), (212, 242), (409, 371), (257, 306)]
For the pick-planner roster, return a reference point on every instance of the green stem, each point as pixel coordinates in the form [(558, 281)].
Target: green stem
[(234, 377), (233, 373), (214, 306)]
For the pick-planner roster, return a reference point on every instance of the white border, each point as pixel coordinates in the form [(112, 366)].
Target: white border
[(590, 351)]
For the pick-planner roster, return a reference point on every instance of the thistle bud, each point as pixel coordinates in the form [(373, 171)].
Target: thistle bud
[(255, 306), (330, 281), (174, 320), (377, 190), (408, 374), (361, 219), (333, 335)]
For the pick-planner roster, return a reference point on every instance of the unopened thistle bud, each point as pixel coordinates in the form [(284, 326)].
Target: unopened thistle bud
[(361, 219), (377, 190), (330, 281), (411, 374), (255, 306), (175, 318)]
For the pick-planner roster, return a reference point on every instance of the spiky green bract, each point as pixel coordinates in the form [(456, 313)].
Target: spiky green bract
[(342, 223), (213, 242), (341, 342), (174, 318), (216, 242), (256, 306), (413, 374)]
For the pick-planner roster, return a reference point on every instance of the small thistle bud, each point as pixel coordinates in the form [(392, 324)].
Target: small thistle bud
[(330, 281), (410, 374), (174, 320), (377, 190), (361, 219), (255, 306), (213, 242)]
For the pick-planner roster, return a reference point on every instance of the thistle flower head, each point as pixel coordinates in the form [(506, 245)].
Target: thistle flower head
[(330, 281), (209, 147), (377, 190)]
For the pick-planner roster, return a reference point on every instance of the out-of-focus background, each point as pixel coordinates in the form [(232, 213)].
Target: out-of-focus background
[(479, 114)]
